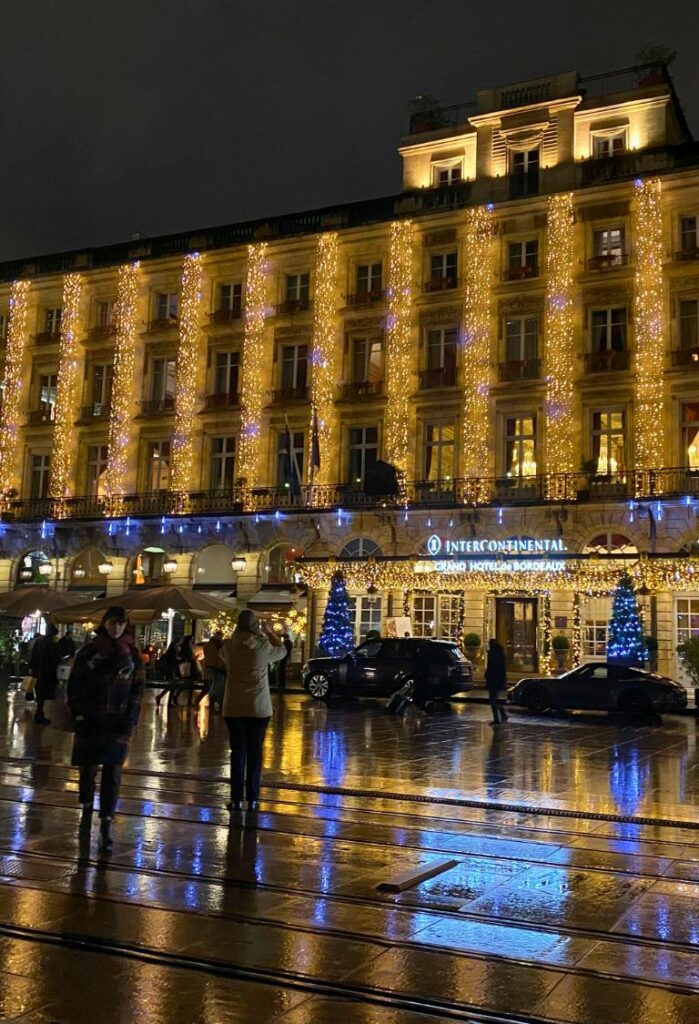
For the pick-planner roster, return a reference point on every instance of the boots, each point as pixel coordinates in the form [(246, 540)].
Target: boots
[(105, 833)]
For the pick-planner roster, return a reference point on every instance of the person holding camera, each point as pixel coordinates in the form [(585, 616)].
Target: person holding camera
[(247, 703)]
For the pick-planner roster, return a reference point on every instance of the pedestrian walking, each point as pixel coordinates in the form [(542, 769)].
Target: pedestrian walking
[(104, 696), (66, 645), (247, 703), (496, 679), (214, 670), (43, 666), (282, 666)]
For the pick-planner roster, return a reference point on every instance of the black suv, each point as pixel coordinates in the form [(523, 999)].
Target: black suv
[(377, 668)]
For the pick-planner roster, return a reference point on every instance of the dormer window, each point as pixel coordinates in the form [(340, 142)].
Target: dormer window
[(447, 172), (608, 143), (524, 172)]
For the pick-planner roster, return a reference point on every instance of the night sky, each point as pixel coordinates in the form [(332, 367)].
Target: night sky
[(158, 116)]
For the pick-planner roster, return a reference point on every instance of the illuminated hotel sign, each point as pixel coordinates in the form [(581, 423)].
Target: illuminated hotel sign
[(511, 546)]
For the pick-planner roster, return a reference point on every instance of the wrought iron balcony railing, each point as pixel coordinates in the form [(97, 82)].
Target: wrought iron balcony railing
[(363, 389), (222, 400), (169, 323), (95, 411), (438, 377), (291, 306), (158, 406), (685, 357), (225, 315), (520, 369), (39, 417), (441, 283), (689, 252), (608, 261), (101, 332), (607, 361), (282, 395), (521, 272), (47, 338), (365, 298)]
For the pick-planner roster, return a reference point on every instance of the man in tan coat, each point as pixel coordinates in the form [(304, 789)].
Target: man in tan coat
[(247, 704)]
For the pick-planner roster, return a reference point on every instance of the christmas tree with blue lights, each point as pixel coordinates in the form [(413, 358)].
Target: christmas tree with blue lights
[(337, 636), (626, 645)]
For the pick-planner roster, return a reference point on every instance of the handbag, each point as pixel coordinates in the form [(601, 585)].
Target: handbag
[(28, 684), (185, 668)]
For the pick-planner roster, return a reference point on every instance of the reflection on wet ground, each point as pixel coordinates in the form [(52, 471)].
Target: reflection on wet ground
[(548, 913)]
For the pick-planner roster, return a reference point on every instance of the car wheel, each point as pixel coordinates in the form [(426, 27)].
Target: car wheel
[(537, 699), (635, 702), (318, 685)]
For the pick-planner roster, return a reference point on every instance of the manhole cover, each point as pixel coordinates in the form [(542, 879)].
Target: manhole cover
[(14, 867)]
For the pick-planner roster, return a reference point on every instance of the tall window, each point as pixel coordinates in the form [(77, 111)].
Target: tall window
[(367, 360), (294, 367), (441, 348), (424, 615), (439, 451), (595, 627), (166, 305), (105, 313), (3, 326), (163, 380), (523, 258), (687, 619), (363, 452), (608, 442), (524, 172), (447, 174), (102, 376), (689, 234), (158, 466), (443, 267), (40, 468), (230, 297), (226, 373), (369, 280), (606, 144), (297, 288), (608, 243), (522, 340), (290, 460), (609, 330), (449, 624), (52, 320), (222, 466), (365, 614), (96, 469), (690, 435), (47, 394), (689, 323), (520, 446)]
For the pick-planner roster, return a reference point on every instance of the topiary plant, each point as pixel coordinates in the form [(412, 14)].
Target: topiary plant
[(560, 643), (472, 640), (689, 656)]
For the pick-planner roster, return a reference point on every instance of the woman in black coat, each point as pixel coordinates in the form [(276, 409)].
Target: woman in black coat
[(496, 679), (104, 695)]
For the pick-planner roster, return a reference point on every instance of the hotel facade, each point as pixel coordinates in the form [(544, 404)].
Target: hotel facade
[(479, 397)]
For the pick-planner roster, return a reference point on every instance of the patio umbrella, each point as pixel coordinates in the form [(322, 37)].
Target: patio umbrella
[(145, 605), (25, 600)]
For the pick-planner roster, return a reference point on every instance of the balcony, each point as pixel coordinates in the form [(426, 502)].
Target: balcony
[(158, 406), (102, 332), (292, 306), (47, 338), (685, 357), (366, 298), (690, 252), (607, 361), (521, 369), (95, 411), (280, 396), (363, 389), (520, 488), (521, 273), (438, 377), (222, 400), (440, 284), (608, 261), (225, 316), (41, 417), (169, 323)]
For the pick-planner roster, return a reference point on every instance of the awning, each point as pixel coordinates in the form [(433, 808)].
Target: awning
[(274, 599)]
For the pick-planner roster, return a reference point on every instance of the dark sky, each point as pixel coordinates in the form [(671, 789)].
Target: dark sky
[(162, 115)]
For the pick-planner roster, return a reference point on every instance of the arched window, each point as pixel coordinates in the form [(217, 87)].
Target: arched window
[(34, 567), (361, 547), (610, 543), (212, 567), (148, 567), (279, 564), (84, 569)]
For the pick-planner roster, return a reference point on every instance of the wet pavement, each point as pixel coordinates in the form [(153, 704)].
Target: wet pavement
[(567, 884)]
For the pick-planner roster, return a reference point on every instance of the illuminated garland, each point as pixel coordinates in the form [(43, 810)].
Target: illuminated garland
[(186, 382), (398, 347), (649, 325), (123, 383), (12, 382), (560, 348), (252, 370), (577, 630), (324, 353), (476, 351), (67, 393)]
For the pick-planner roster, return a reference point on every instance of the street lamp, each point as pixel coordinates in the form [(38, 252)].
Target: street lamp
[(78, 572), (45, 569), (238, 564), (169, 567), (104, 568)]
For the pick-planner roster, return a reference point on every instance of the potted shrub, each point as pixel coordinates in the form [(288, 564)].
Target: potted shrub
[(652, 646), (472, 643), (560, 645)]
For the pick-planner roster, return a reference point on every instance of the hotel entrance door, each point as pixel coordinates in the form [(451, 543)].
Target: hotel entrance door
[(516, 630)]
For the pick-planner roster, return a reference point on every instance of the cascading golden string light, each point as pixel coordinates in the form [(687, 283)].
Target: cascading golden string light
[(560, 349), (12, 383), (650, 347), (324, 354), (123, 383), (476, 351), (67, 393), (252, 371), (398, 354), (186, 381)]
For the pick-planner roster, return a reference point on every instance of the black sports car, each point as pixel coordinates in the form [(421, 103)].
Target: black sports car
[(378, 668), (601, 686)]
